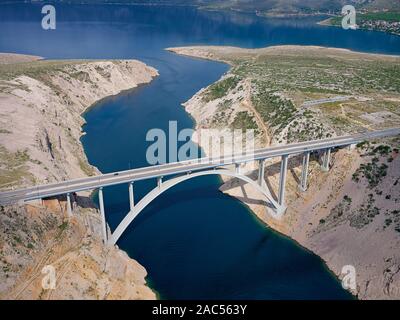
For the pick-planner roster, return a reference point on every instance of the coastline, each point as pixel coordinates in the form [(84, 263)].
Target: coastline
[(328, 23), (62, 91), (226, 188), (318, 201), (251, 208)]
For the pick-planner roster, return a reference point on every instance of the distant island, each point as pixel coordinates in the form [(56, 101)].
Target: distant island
[(377, 21), (378, 15), (275, 8)]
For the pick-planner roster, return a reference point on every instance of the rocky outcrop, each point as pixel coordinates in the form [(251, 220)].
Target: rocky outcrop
[(348, 216), (39, 239), (41, 103), (41, 108)]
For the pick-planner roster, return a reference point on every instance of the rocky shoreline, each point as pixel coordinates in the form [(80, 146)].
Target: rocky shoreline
[(332, 218), (41, 105)]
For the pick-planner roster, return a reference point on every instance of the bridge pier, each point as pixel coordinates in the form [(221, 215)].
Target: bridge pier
[(159, 182), (304, 171), (326, 159), (131, 196), (282, 180), (261, 171), (69, 205), (351, 147), (237, 168), (103, 215)]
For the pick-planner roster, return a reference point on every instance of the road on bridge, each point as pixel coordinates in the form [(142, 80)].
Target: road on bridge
[(104, 180)]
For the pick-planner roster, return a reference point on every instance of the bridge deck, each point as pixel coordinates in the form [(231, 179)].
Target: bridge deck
[(104, 180)]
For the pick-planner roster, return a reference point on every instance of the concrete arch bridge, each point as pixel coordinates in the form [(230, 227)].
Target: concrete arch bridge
[(185, 170)]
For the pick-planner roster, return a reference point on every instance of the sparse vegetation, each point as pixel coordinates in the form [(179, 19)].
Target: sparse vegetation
[(347, 199), (365, 214), (372, 171), (35, 69), (382, 150), (13, 167), (281, 82), (244, 120), (63, 226), (86, 167), (220, 88)]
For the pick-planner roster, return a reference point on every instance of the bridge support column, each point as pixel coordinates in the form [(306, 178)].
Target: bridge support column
[(69, 205), (103, 215), (304, 171), (159, 182), (237, 168), (282, 180), (326, 159), (131, 196), (352, 147), (261, 171)]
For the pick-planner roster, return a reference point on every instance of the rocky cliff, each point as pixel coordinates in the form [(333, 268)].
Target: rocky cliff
[(41, 103), (350, 215)]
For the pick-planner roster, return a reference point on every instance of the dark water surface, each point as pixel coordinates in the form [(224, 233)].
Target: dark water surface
[(194, 241)]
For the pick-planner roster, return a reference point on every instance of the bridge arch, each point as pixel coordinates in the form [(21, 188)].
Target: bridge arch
[(157, 191)]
